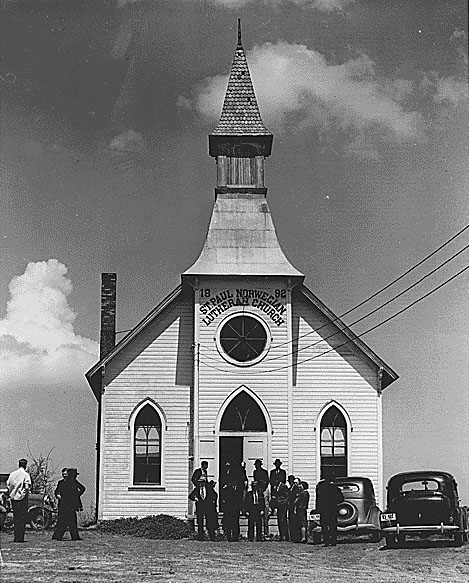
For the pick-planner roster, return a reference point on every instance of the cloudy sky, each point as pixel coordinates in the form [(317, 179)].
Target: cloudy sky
[(106, 106)]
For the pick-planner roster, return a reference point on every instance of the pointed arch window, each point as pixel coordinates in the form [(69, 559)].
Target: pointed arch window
[(333, 444), (243, 414), (147, 446)]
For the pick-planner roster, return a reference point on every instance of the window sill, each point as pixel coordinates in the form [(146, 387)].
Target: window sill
[(150, 487)]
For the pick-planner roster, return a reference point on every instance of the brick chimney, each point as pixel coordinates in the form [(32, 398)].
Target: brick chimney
[(108, 314)]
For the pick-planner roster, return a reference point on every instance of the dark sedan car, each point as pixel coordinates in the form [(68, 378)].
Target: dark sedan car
[(423, 503), (358, 514)]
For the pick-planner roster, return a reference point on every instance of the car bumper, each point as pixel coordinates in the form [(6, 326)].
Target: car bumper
[(351, 528), (432, 528)]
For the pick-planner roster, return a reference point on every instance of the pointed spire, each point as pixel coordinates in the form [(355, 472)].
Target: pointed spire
[(240, 114)]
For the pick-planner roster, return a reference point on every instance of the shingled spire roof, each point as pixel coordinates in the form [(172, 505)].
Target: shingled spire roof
[(240, 115)]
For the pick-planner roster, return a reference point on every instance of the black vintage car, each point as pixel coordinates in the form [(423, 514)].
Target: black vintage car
[(421, 504), (42, 511), (358, 514)]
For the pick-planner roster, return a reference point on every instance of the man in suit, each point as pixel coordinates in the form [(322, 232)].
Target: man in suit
[(261, 477), (254, 505), (68, 493), (206, 499), (231, 495), (293, 489), (201, 472), (328, 497), (277, 476), (282, 498)]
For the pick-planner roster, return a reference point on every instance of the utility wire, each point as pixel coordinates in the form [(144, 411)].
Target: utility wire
[(355, 336), (386, 286), (297, 350), (378, 308)]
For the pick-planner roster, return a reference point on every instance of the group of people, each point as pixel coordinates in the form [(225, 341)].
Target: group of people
[(68, 493), (270, 494)]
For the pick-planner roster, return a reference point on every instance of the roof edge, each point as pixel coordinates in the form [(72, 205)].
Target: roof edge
[(90, 375), (389, 375)]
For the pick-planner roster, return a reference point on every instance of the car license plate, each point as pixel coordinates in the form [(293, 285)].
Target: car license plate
[(316, 517), (388, 516)]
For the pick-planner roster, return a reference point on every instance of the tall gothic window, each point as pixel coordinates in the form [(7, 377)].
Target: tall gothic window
[(147, 447), (333, 444), (243, 414)]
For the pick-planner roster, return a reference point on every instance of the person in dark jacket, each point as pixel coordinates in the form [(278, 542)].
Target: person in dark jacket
[(293, 527), (261, 477), (206, 500), (201, 472), (328, 497), (282, 498), (254, 505), (300, 510), (232, 495), (277, 476), (68, 493)]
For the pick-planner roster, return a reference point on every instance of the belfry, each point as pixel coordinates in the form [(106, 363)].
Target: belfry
[(240, 362)]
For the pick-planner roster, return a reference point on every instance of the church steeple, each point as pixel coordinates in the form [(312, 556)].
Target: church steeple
[(240, 142), (241, 238)]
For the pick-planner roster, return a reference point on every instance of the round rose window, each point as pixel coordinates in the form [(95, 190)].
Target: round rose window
[(243, 339)]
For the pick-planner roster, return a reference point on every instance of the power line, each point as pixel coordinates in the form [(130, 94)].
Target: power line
[(297, 350), (355, 336), (379, 307), (386, 286)]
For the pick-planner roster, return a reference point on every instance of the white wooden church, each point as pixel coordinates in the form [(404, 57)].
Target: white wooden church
[(239, 362)]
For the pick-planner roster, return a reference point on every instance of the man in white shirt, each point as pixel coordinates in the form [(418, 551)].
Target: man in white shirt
[(19, 484)]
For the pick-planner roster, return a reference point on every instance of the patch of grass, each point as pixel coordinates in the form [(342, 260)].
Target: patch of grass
[(161, 526)]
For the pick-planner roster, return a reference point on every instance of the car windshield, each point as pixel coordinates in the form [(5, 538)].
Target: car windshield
[(420, 486)]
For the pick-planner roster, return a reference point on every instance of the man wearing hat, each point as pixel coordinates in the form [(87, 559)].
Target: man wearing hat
[(261, 476), (68, 493), (19, 484), (277, 476), (254, 505), (328, 497), (205, 499), (279, 498)]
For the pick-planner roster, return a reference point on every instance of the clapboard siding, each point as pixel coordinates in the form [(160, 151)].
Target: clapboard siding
[(157, 364), (343, 375)]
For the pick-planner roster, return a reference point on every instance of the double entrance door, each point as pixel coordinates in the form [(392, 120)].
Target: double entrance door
[(242, 447)]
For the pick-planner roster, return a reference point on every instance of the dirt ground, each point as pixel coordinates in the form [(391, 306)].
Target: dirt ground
[(106, 558)]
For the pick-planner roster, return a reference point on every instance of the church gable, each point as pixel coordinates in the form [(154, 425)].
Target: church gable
[(323, 336), (160, 348)]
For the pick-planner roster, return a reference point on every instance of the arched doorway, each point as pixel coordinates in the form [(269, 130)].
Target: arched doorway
[(243, 433)]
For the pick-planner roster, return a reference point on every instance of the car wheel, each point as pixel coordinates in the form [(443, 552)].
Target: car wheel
[(459, 539), (375, 536), (39, 518), (347, 513), (317, 538)]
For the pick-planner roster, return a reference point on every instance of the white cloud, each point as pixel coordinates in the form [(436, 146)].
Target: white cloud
[(294, 82), (128, 141), (38, 345), (452, 90)]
